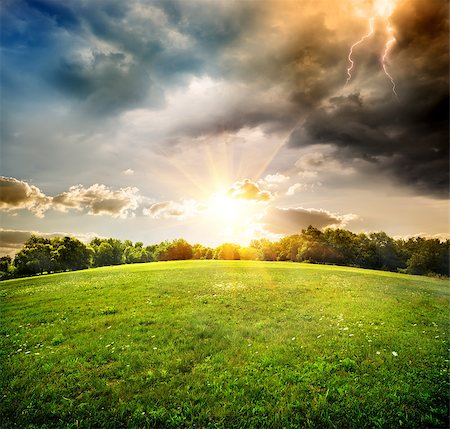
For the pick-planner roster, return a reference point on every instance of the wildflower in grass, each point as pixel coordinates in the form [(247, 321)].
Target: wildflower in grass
[(293, 338), (394, 354), (378, 352)]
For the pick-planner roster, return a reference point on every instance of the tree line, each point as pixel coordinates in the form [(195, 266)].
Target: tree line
[(332, 246)]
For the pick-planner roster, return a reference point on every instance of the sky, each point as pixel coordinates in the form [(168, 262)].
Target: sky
[(223, 121)]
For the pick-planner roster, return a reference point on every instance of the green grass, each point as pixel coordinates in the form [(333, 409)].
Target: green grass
[(224, 344)]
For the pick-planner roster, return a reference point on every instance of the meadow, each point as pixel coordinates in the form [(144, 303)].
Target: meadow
[(224, 344)]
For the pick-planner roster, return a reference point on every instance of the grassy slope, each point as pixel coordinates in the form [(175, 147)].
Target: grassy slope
[(224, 344)]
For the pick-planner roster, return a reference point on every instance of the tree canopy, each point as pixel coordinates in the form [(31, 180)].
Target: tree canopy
[(332, 246)]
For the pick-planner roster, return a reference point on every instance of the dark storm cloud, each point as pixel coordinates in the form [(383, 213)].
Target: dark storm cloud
[(284, 63), (409, 141), (120, 55), (406, 139), (108, 84), (293, 220)]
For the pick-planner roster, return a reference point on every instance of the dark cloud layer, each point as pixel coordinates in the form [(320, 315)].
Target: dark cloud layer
[(284, 62), (121, 55), (407, 139), (293, 220)]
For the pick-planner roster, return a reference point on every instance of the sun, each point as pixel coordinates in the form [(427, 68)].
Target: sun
[(235, 218), (228, 209)]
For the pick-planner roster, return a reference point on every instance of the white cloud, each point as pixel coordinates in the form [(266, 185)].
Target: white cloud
[(99, 199), (275, 178), (174, 210), (298, 187), (248, 190), (17, 194)]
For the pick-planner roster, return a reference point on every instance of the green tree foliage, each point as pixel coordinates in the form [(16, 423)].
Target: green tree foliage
[(267, 250), (69, 253), (107, 251), (5, 263), (227, 251), (289, 248), (137, 253), (39, 255), (387, 255), (337, 246), (7, 269), (35, 256), (201, 252), (426, 256), (315, 248), (175, 250), (248, 254), (342, 244)]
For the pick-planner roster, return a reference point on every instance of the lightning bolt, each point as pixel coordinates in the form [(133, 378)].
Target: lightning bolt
[(352, 63), (384, 60)]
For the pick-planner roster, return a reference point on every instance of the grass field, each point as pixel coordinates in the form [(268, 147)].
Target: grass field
[(224, 344)]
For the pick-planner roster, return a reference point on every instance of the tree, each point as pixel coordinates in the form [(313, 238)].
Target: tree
[(137, 253), (427, 256), (267, 250), (178, 249), (248, 253), (198, 251), (7, 269), (35, 256), (314, 247), (107, 251), (289, 247), (5, 262), (69, 253), (387, 253), (227, 251), (103, 255), (343, 245)]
